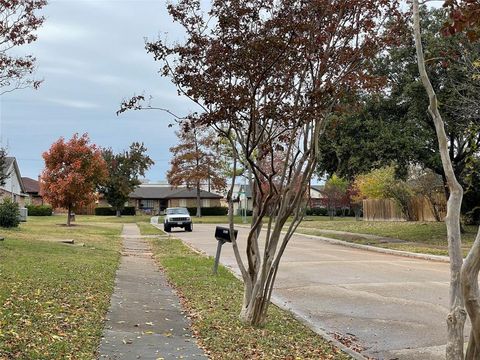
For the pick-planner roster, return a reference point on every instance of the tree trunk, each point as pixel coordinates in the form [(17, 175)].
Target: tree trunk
[(69, 214), (199, 201), (254, 309), (457, 315), (118, 213), (471, 294)]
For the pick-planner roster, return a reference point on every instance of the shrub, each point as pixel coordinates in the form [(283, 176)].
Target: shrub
[(209, 211), (9, 214), (39, 210), (240, 212), (109, 211), (473, 216), (316, 212)]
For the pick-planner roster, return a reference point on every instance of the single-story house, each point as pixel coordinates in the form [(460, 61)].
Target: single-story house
[(13, 187), (242, 195), (32, 189), (154, 199), (316, 196), (242, 198)]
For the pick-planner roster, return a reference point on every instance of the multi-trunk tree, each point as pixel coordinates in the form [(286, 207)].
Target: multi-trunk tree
[(124, 170), (73, 170), (464, 290), (18, 24), (195, 162), (265, 75)]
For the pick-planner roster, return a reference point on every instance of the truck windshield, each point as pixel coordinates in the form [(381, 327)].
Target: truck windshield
[(181, 211)]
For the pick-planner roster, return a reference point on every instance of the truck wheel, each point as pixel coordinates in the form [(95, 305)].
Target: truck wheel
[(167, 228), (189, 228)]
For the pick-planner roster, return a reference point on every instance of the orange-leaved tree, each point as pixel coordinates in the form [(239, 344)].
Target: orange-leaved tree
[(73, 169)]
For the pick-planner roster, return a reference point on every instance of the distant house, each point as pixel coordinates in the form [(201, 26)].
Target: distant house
[(242, 197), (32, 189), (316, 196), (13, 187), (153, 199)]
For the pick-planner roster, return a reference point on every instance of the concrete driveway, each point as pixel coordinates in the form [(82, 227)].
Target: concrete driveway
[(394, 306)]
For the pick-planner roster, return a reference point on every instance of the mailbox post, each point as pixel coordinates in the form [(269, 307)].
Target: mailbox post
[(222, 234)]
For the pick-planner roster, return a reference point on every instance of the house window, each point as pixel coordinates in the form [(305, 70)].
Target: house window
[(147, 204), (183, 202), (206, 202)]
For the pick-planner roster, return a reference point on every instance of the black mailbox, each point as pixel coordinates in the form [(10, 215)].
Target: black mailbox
[(223, 234)]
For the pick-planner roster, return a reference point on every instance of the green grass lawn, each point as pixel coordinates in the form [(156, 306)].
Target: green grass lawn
[(54, 296), (423, 237), (214, 303), (148, 229)]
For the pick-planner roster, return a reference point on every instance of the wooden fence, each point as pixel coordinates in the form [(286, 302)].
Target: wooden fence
[(388, 209)]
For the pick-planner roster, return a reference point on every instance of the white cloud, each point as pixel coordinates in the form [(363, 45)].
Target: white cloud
[(77, 104), (57, 32)]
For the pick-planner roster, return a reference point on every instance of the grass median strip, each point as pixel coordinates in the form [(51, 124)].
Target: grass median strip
[(214, 303), (148, 229), (54, 296), (418, 237)]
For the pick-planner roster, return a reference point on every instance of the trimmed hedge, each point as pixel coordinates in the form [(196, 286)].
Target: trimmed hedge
[(209, 211), (316, 212), (241, 212), (39, 210), (109, 211), (324, 212)]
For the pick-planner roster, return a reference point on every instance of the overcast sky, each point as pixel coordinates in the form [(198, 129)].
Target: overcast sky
[(91, 55)]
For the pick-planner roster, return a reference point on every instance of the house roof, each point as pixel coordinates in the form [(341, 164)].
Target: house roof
[(31, 185), (167, 192), (9, 162), (189, 193), (318, 188)]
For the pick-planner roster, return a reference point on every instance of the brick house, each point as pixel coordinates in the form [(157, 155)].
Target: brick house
[(32, 189)]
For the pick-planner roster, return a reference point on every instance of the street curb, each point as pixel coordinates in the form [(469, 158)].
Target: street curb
[(407, 254), (329, 338)]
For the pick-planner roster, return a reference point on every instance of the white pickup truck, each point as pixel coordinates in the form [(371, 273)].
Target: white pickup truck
[(177, 217)]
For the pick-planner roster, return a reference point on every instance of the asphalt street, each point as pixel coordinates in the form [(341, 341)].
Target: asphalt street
[(394, 307)]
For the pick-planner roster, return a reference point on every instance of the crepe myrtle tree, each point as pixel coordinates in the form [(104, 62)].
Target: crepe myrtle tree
[(464, 291), (18, 24), (265, 75)]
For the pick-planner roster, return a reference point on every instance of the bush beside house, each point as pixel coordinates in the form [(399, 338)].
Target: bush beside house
[(109, 211), (210, 211), (39, 210), (9, 214)]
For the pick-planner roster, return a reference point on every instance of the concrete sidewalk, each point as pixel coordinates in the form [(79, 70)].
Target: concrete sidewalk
[(145, 319)]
